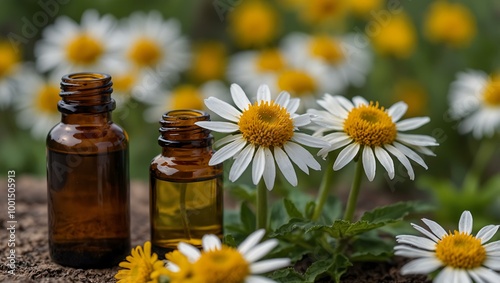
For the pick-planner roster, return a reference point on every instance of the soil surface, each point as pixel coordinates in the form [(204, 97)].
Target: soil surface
[(32, 256)]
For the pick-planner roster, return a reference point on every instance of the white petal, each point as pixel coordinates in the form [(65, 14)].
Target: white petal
[(210, 242), (425, 232), (493, 246), (258, 166), (239, 97), (369, 163), (172, 267), (408, 251), (296, 158), (260, 250), (227, 139), (333, 106), (308, 140), (410, 154), (412, 123), (263, 93), (416, 241), (269, 265), (282, 99), (285, 166), (402, 158), (302, 120), (270, 172), (258, 279), (344, 102), (492, 262), (473, 274), (487, 232), (227, 152), (435, 228), (419, 140), (292, 105), (296, 152), (221, 127), (223, 109), (189, 251), (346, 156), (446, 275), (251, 241), (385, 159), (489, 276), (465, 223), (358, 100), (241, 162), (421, 266), (462, 276), (397, 110)]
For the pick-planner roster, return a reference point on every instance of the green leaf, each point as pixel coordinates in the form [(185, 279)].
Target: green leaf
[(291, 209), (371, 247), (287, 275), (229, 241), (295, 225), (278, 215), (247, 218), (318, 269), (388, 214), (309, 210)]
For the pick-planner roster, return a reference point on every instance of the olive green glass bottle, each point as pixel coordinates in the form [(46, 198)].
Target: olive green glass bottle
[(185, 192), (88, 177)]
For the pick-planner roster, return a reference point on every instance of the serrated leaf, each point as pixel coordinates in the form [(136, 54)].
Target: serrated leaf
[(291, 209), (318, 269), (289, 229), (345, 229), (247, 218), (390, 213), (287, 275)]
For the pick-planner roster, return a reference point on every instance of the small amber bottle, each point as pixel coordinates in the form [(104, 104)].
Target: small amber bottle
[(87, 177), (185, 192)]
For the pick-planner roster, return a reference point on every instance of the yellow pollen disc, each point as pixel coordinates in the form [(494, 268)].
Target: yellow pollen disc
[(321, 11), (326, 48), (186, 97), (145, 52), (491, 93), (270, 60), (461, 250), (266, 124), (370, 125), (124, 82), (84, 50), (296, 82), (253, 23), (47, 98), (225, 265), (8, 59), (209, 61)]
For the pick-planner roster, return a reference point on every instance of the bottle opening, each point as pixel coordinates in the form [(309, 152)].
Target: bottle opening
[(87, 76), (184, 114)]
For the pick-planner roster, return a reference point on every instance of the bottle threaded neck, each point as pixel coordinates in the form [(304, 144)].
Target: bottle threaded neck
[(178, 129), (87, 92)]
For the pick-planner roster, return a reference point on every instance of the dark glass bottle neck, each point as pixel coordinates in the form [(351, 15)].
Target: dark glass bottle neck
[(86, 93), (178, 130)]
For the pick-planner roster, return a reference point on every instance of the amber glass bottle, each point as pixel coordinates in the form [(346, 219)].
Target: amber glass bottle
[(87, 177), (185, 192)]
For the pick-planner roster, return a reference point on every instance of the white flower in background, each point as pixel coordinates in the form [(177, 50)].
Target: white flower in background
[(475, 97), (221, 263), (36, 102), (250, 69), (67, 47), (344, 62), (185, 96), (372, 131), (153, 46), (9, 68), (265, 132), (464, 257)]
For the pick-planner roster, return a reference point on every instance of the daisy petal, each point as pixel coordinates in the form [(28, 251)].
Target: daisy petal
[(241, 162), (263, 93), (221, 127), (260, 250), (285, 166), (425, 232), (210, 242), (385, 159), (465, 223), (421, 266), (251, 241), (418, 140), (189, 251), (435, 228), (308, 140), (487, 232), (223, 109), (270, 172), (412, 123), (492, 262), (369, 163), (408, 251), (269, 265), (487, 275), (239, 97), (358, 100), (417, 241), (346, 104), (346, 156), (302, 120), (410, 154), (446, 275), (282, 99), (296, 152), (292, 105), (258, 166), (227, 152), (402, 158), (397, 110)]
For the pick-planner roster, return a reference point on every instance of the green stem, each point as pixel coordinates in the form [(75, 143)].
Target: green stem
[(261, 205), (483, 155), (353, 194), (324, 189), (183, 211)]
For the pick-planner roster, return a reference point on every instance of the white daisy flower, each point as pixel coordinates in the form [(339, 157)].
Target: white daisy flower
[(36, 102), (373, 132), (153, 46), (464, 257), (220, 263), (340, 57), (264, 132), (67, 47), (475, 97), (9, 68)]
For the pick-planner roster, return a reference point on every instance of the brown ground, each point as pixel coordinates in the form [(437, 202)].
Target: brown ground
[(33, 263)]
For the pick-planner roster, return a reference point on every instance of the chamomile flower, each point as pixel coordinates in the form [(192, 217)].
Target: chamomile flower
[(220, 263), (9, 66), (37, 101), (396, 38), (475, 97), (339, 57), (462, 256), (365, 8), (322, 12), (139, 266), (372, 132), (264, 131), (209, 62), (68, 47)]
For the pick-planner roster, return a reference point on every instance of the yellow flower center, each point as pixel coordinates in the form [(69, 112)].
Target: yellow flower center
[(397, 37), (363, 8), (370, 125), (270, 60), (460, 250), (253, 23), (145, 53), (209, 62), (296, 82), (327, 49), (225, 265), (123, 82), (84, 49), (186, 97), (8, 59), (266, 124), (491, 93), (320, 11), (47, 98)]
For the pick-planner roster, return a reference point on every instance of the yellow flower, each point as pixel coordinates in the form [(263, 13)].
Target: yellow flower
[(209, 62), (450, 23), (179, 269), (139, 266), (9, 59), (363, 8), (396, 38), (322, 12), (253, 23), (414, 94)]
